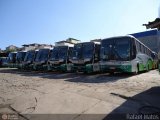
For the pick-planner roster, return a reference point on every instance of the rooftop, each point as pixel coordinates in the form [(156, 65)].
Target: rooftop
[(153, 24)]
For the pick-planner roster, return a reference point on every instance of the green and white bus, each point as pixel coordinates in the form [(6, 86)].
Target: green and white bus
[(41, 59), (11, 59), (59, 59), (125, 54), (27, 64), (86, 57), (159, 61), (19, 59)]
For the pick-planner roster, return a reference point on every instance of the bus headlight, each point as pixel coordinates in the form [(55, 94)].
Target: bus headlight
[(61, 60)]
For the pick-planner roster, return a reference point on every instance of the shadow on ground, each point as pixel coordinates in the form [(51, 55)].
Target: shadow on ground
[(71, 77), (143, 104)]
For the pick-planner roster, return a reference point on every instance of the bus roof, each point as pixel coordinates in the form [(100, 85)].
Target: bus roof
[(145, 33), (21, 51), (129, 36), (13, 52), (95, 42)]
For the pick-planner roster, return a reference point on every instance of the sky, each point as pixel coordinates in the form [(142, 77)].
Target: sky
[(49, 21)]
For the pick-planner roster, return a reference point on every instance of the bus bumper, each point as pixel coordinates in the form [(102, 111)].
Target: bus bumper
[(67, 67), (40, 67), (53, 67), (79, 68), (116, 68), (84, 68)]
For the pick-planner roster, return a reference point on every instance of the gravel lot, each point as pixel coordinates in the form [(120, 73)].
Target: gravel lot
[(76, 96)]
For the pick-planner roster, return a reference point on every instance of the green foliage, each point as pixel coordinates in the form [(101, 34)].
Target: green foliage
[(10, 50)]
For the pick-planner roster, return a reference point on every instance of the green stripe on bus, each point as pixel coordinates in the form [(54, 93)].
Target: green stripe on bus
[(89, 68), (141, 67), (150, 63)]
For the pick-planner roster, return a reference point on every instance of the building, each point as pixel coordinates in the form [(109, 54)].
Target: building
[(149, 38), (96, 40), (11, 48), (35, 46), (155, 24), (73, 40), (68, 42)]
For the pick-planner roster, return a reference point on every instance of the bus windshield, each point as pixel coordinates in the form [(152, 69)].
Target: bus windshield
[(116, 49), (88, 49), (63, 52), (29, 56), (77, 51), (20, 56), (11, 57), (42, 55), (54, 54)]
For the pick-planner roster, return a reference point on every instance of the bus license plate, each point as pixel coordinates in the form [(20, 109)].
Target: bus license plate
[(113, 68), (96, 68), (68, 68)]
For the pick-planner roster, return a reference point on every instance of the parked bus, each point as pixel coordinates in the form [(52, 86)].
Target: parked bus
[(159, 61), (125, 54), (19, 59), (27, 64), (3, 59), (41, 59), (86, 56), (59, 59), (11, 59)]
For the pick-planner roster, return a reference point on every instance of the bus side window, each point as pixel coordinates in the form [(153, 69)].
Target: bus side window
[(145, 51), (133, 50), (149, 52), (142, 49), (138, 46)]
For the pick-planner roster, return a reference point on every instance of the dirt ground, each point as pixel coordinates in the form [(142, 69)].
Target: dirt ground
[(37, 95)]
